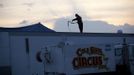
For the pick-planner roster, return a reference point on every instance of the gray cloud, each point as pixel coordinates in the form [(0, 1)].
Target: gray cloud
[(77, 8), (28, 4), (24, 23), (127, 28), (61, 25), (1, 5), (92, 26)]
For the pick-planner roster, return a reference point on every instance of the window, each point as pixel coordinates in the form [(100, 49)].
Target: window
[(107, 47), (118, 51)]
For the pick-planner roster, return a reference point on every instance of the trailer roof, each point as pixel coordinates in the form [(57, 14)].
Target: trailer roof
[(70, 34)]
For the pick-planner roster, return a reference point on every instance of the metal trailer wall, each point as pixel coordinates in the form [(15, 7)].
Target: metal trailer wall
[(131, 58), (5, 68), (23, 57)]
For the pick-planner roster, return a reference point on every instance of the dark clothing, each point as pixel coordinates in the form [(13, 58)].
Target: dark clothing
[(80, 23)]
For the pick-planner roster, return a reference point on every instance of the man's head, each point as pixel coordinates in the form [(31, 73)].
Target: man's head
[(76, 15)]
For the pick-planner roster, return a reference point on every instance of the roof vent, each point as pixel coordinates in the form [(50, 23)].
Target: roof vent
[(119, 31)]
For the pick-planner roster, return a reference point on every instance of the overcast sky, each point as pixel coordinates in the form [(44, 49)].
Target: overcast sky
[(15, 12)]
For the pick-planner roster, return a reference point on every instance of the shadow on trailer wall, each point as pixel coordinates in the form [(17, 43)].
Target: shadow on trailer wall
[(6, 70), (122, 70), (105, 73)]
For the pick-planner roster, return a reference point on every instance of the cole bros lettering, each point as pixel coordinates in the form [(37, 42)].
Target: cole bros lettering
[(87, 57)]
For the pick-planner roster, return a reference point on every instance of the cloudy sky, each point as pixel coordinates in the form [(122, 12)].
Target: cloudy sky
[(14, 13)]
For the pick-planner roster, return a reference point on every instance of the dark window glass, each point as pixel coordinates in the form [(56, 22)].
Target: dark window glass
[(118, 51)]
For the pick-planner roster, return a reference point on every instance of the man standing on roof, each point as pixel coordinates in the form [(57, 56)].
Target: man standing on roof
[(79, 21)]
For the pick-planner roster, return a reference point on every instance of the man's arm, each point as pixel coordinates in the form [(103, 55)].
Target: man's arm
[(74, 19)]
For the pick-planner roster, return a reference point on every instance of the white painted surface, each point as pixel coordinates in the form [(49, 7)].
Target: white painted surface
[(4, 49), (26, 64)]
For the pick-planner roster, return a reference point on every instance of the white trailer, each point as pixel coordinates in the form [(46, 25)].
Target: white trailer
[(65, 53)]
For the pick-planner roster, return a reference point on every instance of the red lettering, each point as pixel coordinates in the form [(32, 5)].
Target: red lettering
[(75, 63), (81, 62), (79, 52), (84, 62), (91, 61)]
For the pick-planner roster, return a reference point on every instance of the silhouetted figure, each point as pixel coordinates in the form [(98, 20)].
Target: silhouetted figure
[(79, 21)]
